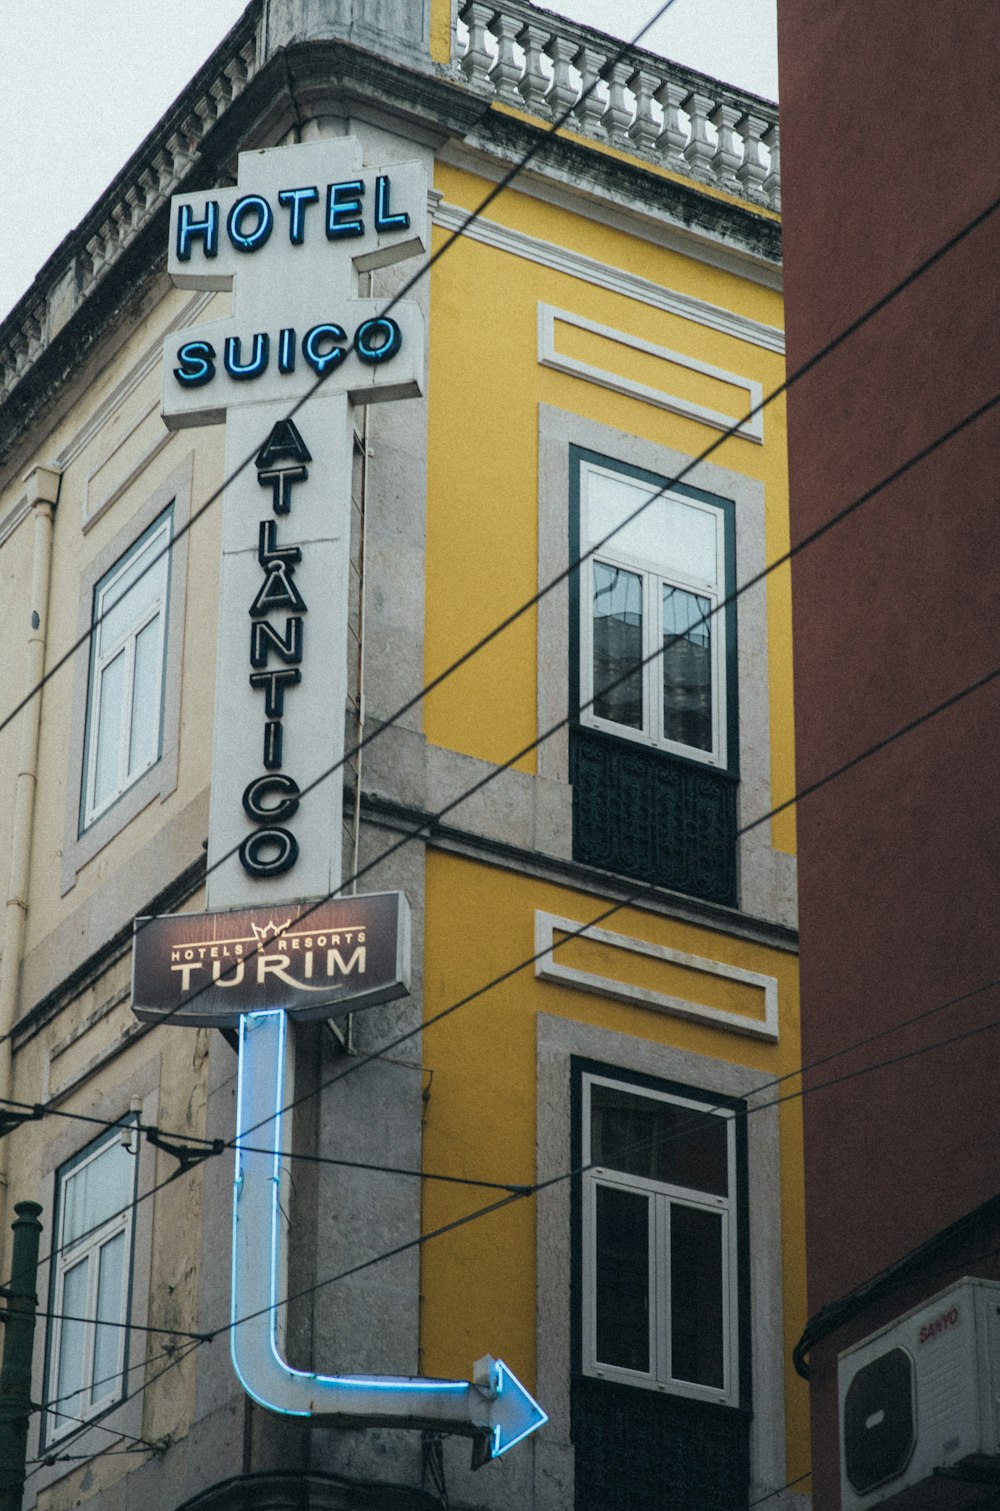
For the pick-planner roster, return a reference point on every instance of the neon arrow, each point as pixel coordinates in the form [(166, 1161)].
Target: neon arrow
[(493, 1408)]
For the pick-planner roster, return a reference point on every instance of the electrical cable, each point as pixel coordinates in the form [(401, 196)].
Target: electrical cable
[(581, 1169), (636, 895), (130, 1369), (832, 345), (753, 581), (565, 573), (88, 1422), (849, 330), (644, 893), (51, 1410), (788, 1485), (135, 1327), (76, 1458), (209, 1336), (835, 342), (503, 183)]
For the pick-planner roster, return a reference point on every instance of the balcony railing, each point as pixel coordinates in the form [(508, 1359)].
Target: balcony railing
[(624, 96)]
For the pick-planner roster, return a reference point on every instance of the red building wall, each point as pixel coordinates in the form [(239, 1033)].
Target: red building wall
[(888, 118)]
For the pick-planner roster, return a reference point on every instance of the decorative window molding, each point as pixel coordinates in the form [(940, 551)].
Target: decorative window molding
[(748, 395), (125, 692), (134, 1095), (766, 876), (654, 730), (551, 965), (602, 275), (657, 638), (660, 1209), (635, 1420), (90, 825), (90, 1283)]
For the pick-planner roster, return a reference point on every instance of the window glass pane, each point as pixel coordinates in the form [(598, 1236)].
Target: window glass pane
[(621, 1278), (110, 1308), (130, 596), (109, 716), (69, 1370), (662, 1141), (618, 645), (687, 668), (668, 531), (96, 1191), (145, 732), (696, 1310)]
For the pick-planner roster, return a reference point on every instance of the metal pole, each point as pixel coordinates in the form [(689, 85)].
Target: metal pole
[(15, 1373)]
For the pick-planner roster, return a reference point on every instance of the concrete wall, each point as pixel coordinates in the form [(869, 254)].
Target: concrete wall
[(894, 612)]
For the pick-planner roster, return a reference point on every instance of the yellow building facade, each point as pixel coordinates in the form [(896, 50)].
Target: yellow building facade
[(568, 716)]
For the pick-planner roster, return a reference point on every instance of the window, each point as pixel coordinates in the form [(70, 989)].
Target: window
[(653, 660), (89, 1285), (660, 1242), (654, 734), (127, 658)]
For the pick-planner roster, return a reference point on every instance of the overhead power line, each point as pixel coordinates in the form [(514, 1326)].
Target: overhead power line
[(547, 1183), (646, 892), (452, 237), (521, 1192), (754, 1107), (637, 895), (790, 380), (495, 771)]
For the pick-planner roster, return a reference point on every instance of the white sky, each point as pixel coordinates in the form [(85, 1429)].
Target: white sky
[(85, 80)]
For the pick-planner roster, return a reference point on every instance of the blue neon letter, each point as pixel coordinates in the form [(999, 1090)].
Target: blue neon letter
[(296, 200), (207, 229), (235, 367), (384, 219), (286, 349), (323, 362), (344, 200), (377, 340), (250, 241), (196, 365)]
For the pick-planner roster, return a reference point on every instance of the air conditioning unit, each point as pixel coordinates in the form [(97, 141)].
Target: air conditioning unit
[(922, 1396)]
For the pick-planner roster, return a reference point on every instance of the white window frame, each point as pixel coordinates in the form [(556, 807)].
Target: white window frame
[(654, 574), (663, 1198), (159, 781), (66, 1257), (157, 540)]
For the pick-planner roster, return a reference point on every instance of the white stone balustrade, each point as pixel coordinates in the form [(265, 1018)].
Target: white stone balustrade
[(559, 70)]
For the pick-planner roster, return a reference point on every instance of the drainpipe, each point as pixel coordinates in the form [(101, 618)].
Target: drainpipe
[(43, 495)]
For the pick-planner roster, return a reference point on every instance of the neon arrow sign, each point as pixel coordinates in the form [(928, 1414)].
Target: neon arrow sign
[(493, 1408)]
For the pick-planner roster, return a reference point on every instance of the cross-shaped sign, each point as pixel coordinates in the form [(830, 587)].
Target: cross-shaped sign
[(290, 240)]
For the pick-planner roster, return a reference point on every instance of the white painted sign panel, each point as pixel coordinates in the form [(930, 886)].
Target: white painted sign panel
[(289, 240)]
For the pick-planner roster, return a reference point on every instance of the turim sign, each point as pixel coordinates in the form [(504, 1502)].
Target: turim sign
[(196, 969), (290, 240)]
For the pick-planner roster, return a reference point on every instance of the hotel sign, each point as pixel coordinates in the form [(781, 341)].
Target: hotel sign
[(208, 968), (297, 241)]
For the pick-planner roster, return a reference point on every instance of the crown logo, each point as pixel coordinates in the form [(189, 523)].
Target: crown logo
[(269, 930)]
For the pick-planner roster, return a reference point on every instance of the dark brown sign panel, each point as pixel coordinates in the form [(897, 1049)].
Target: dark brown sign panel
[(312, 960)]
